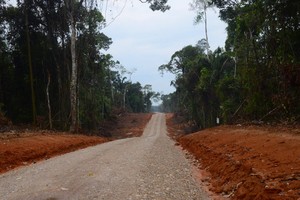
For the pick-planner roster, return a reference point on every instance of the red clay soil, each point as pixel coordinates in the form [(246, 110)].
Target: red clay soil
[(248, 162), (18, 148), (22, 151)]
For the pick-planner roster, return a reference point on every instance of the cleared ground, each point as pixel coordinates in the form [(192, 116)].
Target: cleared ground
[(247, 162)]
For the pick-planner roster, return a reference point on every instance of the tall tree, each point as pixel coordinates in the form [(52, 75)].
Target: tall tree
[(201, 6), (30, 62), (93, 70), (72, 6)]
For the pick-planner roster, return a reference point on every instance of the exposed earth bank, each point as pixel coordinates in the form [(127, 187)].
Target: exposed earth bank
[(246, 162), (20, 147)]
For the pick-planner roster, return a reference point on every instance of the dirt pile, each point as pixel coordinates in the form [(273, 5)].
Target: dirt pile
[(22, 151), (248, 162)]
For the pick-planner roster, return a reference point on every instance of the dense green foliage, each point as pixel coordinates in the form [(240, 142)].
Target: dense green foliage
[(37, 34), (256, 77)]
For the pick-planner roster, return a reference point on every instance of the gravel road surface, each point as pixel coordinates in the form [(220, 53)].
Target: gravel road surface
[(147, 167)]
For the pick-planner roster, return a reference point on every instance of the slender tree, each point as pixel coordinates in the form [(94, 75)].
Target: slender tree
[(201, 6), (30, 63), (72, 8)]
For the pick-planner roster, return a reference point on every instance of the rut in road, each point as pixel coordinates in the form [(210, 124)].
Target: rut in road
[(147, 167)]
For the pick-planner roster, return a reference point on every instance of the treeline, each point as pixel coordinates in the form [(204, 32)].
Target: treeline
[(255, 78), (37, 66)]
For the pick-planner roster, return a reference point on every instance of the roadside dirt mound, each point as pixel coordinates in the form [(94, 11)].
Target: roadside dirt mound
[(22, 151), (248, 162), (22, 147)]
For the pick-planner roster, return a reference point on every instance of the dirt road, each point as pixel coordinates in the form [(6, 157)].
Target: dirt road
[(148, 167)]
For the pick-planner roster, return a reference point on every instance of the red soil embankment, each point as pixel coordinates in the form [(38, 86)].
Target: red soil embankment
[(248, 162), (245, 162), (22, 151)]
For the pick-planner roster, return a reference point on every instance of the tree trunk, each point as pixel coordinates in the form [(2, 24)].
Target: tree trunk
[(30, 66), (206, 35), (111, 87), (48, 101), (124, 97), (73, 82)]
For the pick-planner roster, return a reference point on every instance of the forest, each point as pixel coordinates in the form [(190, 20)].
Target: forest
[(255, 78), (54, 72)]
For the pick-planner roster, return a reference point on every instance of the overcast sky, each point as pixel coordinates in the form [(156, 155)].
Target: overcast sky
[(144, 40)]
